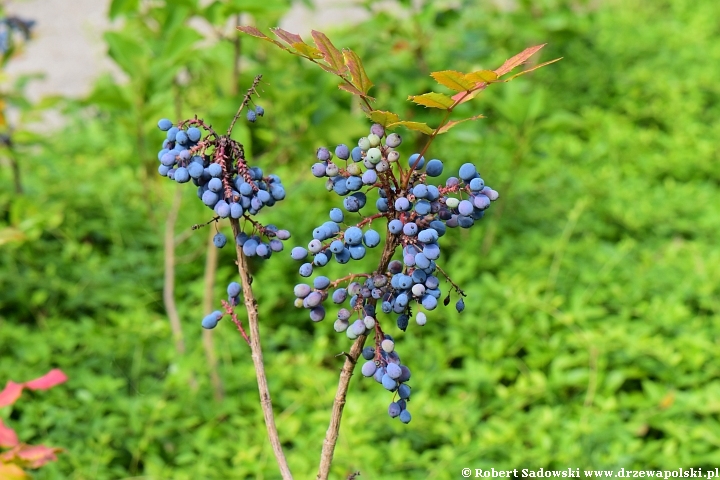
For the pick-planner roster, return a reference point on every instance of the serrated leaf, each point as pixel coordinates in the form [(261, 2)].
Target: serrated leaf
[(287, 37), (463, 97), (533, 69), (307, 50), (331, 54), (357, 71), (9, 471), (452, 123), (383, 118), (254, 32), (518, 59), (350, 88), (417, 126), (453, 80), (433, 100), (485, 76)]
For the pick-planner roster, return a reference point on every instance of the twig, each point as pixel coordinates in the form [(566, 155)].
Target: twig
[(257, 356), (246, 100), (169, 281), (345, 374)]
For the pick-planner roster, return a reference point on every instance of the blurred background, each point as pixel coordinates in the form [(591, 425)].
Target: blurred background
[(592, 326)]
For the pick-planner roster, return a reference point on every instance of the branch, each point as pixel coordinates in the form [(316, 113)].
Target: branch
[(208, 300), (257, 356), (333, 430)]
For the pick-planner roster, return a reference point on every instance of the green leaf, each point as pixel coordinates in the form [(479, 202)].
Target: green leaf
[(119, 7), (331, 54), (420, 127), (357, 71), (452, 123), (127, 51), (518, 59), (485, 76), (254, 32), (453, 80), (433, 100), (383, 118), (307, 50)]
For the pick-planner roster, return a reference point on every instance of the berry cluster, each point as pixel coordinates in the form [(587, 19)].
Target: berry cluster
[(225, 183), (417, 214)]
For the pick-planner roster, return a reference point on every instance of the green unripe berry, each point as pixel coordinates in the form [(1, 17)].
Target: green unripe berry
[(374, 155), (354, 169), (374, 140), (364, 144), (452, 202)]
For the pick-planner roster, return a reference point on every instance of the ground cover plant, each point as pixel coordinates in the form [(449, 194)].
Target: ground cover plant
[(593, 341)]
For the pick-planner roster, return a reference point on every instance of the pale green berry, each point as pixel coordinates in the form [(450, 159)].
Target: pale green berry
[(373, 139), (452, 202), (364, 144), (374, 155), (354, 169)]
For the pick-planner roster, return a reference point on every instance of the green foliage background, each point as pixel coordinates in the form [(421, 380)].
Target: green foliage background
[(592, 326)]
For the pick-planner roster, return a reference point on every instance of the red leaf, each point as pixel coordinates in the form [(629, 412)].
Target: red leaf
[(333, 56), (49, 380), (286, 36), (518, 59), (8, 437), (37, 455), (10, 393)]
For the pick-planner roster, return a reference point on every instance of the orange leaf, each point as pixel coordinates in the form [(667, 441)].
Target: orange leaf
[(463, 97), (452, 123), (332, 55), (518, 59), (453, 80), (10, 393), (8, 437), (49, 380), (8, 471), (532, 69)]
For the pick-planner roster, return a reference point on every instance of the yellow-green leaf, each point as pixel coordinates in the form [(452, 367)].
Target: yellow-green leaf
[(453, 80), (420, 127), (486, 76), (307, 50), (433, 100), (254, 32), (452, 123), (359, 76), (331, 54), (383, 118), (518, 59)]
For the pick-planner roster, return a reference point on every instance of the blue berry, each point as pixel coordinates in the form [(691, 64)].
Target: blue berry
[(164, 124)]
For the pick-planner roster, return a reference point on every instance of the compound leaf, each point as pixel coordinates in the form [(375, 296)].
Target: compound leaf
[(331, 54), (420, 127), (433, 100), (453, 80), (452, 123), (533, 69)]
